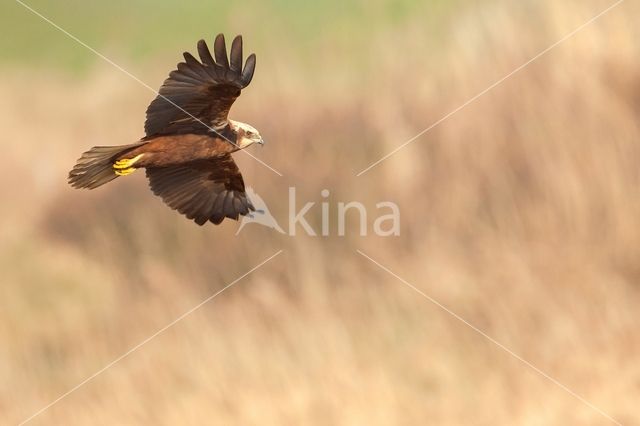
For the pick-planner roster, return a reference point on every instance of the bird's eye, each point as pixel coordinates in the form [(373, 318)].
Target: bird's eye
[(249, 133)]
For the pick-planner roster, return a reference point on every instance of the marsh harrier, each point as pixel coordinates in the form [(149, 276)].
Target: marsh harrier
[(189, 139)]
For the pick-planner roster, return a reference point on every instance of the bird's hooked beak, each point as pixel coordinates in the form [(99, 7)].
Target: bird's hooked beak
[(261, 142)]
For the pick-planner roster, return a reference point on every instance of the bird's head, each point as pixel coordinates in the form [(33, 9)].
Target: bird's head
[(247, 135)]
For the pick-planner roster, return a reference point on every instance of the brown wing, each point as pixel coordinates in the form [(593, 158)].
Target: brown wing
[(202, 190), (204, 90)]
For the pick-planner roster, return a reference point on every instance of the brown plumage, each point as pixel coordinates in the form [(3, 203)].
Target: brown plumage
[(189, 139)]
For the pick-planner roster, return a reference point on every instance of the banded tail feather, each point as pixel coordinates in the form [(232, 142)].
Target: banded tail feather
[(95, 167)]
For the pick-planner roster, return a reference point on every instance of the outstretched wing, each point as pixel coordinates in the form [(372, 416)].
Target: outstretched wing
[(200, 92), (202, 190)]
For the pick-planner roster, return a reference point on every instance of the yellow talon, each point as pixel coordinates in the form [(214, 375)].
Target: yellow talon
[(124, 172), (125, 166), (126, 163)]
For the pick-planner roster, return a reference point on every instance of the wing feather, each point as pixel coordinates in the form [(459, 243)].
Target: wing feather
[(236, 55), (220, 50), (205, 55), (249, 68), (203, 190), (198, 95)]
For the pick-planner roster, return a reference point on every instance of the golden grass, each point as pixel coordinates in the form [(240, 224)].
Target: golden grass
[(520, 213)]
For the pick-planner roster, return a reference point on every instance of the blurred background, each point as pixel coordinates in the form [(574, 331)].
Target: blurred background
[(519, 213)]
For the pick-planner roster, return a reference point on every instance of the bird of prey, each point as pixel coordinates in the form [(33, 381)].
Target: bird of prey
[(189, 139)]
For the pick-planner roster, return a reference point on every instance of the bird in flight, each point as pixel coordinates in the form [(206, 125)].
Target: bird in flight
[(189, 139)]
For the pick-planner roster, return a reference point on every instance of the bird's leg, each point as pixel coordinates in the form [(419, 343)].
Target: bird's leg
[(124, 166)]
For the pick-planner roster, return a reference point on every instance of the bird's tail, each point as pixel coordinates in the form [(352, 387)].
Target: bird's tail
[(95, 167)]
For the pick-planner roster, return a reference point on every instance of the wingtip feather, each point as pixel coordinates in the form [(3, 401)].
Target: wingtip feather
[(236, 54), (249, 69), (220, 51), (205, 54)]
